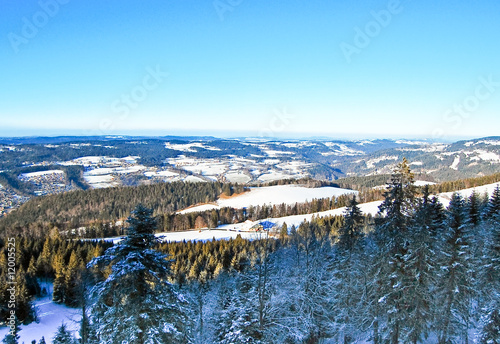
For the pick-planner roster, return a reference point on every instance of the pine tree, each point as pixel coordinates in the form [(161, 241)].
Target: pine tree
[(473, 209), (42, 341), (421, 268), (283, 232), (72, 280), (455, 285), (490, 277), (347, 286), (63, 336), (493, 207), (491, 330), (399, 204), (136, 303), (236, 320), (392, 238), (59, 288)]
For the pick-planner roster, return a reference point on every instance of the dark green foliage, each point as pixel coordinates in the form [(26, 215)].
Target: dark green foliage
[(456, 285), (63, 336), (491, 331), (78, 208), (460, 184), (493, 207), (133, 301), (351, 231)]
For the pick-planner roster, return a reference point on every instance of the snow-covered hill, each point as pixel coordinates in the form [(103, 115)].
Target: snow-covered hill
[(272, 195)]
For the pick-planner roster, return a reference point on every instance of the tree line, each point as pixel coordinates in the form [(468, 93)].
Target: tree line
[(77, 208)]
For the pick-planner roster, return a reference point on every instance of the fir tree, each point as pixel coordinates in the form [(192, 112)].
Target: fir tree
[(455, 285), (63, 336), (392, 237), (399, 204), (421, 268), (352, 229), (490, 277), (491, 330), (493, 207), (136, 303), (348, 285)]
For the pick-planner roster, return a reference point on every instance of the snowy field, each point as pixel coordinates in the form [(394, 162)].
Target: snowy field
[(288, 194), (206, 235), (224, 232), (50, 315), (480, 190), (40, 173)]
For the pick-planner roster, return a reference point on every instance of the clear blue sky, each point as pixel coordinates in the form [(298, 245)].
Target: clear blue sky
[(256, 67)]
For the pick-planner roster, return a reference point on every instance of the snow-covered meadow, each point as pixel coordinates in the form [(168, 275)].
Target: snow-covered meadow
[(50, 316), (272, 195)]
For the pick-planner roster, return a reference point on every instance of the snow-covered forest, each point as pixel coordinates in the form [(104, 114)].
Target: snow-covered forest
[(416, 273)]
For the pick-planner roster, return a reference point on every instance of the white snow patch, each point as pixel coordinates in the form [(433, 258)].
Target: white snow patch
[(206, 235), (489, 188), (238, 177), (188, 147), (193, 179), (40, 173), (296, 220), (160, 174), (423, 182), (371, 163), (272, 195), (273, 175), (226, 233), (275, 153), (51, 315), (485, 155), (455, 163)]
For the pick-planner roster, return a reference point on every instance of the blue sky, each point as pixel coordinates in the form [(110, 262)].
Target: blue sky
[(239, 67)]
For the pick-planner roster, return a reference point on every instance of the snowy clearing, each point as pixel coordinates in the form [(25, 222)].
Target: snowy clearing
[(288, 194), (224, 232), (423, 183), (40, 173), (50, 315), (455, 163), (445, 197)]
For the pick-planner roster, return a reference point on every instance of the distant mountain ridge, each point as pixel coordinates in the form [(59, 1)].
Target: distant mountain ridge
[(107, 161)]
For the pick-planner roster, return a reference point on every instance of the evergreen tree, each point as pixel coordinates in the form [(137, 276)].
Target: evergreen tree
[(352, 229), (490, 277), (491, 330), (72, 280), (347, 286), (455, 286), (493, 207), (392, 237), (399, 204), (59, 291), (283, 232), (474, 209), (136, 303), (421, 268), (63, 336)]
